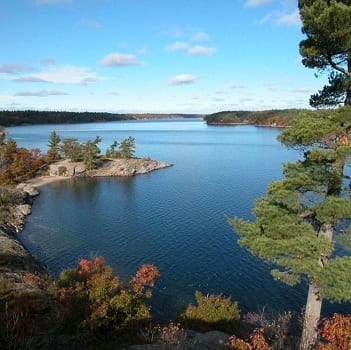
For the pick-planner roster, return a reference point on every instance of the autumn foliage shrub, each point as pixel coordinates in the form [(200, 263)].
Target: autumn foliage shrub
[(18, 164), (257, 341), (93, 299), (336, 333), (276, 329)]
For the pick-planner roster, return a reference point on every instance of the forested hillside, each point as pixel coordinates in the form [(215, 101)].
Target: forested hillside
[(277, 117), (12, 118)]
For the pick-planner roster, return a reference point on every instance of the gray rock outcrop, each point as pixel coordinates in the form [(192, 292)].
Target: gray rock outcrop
[(66, 168), (14, 257), (19, 270), (21, 200), (31, 190), (107, 167)]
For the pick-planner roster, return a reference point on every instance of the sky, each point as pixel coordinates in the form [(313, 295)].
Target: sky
[(152, 56)]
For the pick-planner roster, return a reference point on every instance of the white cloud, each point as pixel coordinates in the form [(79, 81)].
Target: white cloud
[(15, 68), (220, 92), (122, 44), (67, 74), (89, 23), (237, 86), (42, 93), (287, 13), (118, 59), (49, 2), (216, 99), (49, 61), (200, 36), (30, 79), (141, 51), (289, 19), (277, 85), (255, 3), (177, 46), (302, 91), (13, 104), (282, 18), (201, 50), (265, 19), (191, 50), (173, 33), (183, 79)]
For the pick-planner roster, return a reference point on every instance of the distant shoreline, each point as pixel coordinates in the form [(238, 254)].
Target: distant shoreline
[(31, 117), (239, 124)]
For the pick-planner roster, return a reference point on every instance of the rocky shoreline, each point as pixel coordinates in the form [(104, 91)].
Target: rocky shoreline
[(17, 264), (20, 271), (23, 274)]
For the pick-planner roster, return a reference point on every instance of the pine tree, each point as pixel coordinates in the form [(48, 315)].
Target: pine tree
[(300, 218), (127, 147), (327, 25), (72, 149), (111, 151), (2, 136), (54, 147), (91, 152)]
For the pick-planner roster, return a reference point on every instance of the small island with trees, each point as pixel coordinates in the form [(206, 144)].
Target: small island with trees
[(69, 157)]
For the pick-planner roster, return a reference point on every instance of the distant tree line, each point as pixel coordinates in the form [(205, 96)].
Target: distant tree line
[(10, 118), (275, 117)]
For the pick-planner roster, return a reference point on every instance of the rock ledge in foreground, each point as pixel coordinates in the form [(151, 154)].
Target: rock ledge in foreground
[(20, 272)]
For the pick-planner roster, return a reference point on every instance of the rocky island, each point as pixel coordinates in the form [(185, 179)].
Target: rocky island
[(107, 167)]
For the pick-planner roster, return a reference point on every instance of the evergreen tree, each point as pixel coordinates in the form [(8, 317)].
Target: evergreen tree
[(111, 151), (72, 149), (2, 146), (54, 147), (327, 25), (91, 152), (300, 218), (2, 136), (127, 147)]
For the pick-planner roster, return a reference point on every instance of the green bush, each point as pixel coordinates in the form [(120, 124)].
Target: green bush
[(211, 312)]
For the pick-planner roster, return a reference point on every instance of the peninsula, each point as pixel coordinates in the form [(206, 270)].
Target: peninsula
[(106, 167)]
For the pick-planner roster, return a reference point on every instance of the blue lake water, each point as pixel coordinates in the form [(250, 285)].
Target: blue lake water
[(173, 218)]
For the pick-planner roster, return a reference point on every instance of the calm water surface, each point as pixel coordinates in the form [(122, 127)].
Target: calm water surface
[(173, 218)]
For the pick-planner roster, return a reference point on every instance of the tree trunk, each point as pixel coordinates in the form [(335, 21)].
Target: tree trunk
[(311, 318), (314, 301), (348, 96), (348, 86), (336, 176)]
